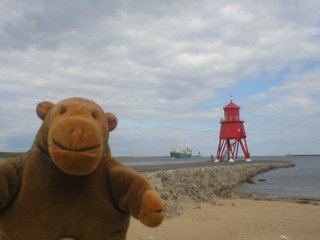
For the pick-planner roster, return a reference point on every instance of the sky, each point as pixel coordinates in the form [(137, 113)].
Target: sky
[(166, 69)]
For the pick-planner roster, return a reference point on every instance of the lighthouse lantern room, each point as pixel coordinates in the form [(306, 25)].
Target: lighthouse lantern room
[(232, 135)]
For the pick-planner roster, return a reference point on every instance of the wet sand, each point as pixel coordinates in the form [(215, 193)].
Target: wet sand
[(237, 219)]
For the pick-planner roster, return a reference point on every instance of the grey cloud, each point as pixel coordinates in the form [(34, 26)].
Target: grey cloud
[(156, 60)]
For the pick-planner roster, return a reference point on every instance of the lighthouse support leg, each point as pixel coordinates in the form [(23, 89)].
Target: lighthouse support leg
[(245, 149), (220, 150), (231, 148), (234, 146), (236, 151), (229, 151)]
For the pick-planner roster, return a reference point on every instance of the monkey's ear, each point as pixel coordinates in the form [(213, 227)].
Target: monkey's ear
[(43, 108), (112, 121)]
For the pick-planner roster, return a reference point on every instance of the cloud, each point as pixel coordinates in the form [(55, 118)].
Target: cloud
[(285, 116), (165, 64)]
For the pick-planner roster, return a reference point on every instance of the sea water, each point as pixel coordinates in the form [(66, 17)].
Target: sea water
[(301, 181)]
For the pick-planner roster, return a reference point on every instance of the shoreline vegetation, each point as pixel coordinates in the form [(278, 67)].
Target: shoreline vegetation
[(10, 154)]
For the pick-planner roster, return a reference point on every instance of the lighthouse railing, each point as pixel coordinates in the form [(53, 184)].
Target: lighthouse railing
[(231, 118)]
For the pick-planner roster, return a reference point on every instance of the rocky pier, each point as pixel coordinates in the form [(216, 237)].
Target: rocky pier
[(203, 184)]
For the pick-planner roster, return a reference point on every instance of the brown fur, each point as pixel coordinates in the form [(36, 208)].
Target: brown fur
[(68, 186)]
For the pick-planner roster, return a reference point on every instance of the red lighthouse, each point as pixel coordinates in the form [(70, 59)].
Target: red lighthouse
[(232, 134)]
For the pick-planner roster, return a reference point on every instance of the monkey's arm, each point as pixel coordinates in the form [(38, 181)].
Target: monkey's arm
[(9, 183), (133, 194)]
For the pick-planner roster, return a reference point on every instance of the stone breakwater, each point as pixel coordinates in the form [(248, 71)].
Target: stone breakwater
[(202, 184)]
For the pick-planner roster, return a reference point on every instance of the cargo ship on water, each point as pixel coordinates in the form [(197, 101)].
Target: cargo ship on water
[(178, 152)]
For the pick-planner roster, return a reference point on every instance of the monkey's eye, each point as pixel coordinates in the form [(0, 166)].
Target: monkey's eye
[(63, 110), (94, 115)]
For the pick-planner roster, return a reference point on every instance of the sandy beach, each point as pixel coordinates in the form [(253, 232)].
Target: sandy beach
[(236, 219)]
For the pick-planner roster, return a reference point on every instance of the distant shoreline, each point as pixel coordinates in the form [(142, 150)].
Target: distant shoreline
[(10, 154), (16, 154), (302, 155)]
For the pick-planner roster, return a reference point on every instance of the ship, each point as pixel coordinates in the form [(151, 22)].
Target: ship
[(178, 152)]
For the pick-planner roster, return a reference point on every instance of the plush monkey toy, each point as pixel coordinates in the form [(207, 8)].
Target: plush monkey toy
[(68, 186)]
